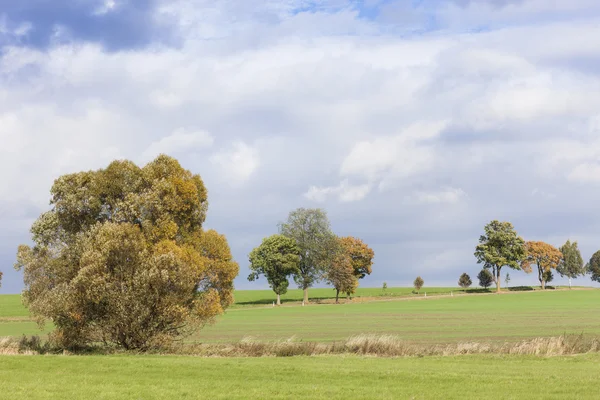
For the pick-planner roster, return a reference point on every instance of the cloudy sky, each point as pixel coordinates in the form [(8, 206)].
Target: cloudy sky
[(413, 123)]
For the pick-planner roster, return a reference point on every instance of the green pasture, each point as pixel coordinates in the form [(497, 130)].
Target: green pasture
[(327, 377), (443, 319)]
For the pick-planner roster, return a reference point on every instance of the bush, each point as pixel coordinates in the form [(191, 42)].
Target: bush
[(485, 278), (464, 281), (418, 283)]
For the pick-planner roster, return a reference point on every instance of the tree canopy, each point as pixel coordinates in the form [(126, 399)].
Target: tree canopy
[(485, 278), (593, 267), (341, 275), (361, 255), (464, 281), (418, 283), (311, 230), (572, 264), (121, 257), (545, 256), (276, 258), (500, 246)]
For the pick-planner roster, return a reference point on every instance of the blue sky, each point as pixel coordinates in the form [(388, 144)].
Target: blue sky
[(413, 123)]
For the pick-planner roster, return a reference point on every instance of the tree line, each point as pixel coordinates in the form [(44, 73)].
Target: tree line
[(500, 246), (307, 250)]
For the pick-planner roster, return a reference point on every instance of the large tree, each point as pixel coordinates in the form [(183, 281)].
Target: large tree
[(276, 258), (122, 258), (572, 264), (593, 267), (311, 230), (543, 255), (500, 246)]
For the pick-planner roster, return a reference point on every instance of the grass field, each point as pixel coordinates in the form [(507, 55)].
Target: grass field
[(490, 317), (167, 377)]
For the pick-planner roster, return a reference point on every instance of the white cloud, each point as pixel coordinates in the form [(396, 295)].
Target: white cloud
[(586, 173), (344, 192), (180, 141), (446, 195), (238, 162)]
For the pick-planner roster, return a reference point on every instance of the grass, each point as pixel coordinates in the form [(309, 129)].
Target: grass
[(328, 377), (479, 318)]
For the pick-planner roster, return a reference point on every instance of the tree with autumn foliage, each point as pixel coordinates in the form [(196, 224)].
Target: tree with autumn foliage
[(276, 258), (593, 267), (341, 275), (544, 256), (361, 255), (121, 257), (498, 247)]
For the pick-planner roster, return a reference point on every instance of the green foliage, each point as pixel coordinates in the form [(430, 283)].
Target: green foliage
[(276, 258), (464, 281), (593, 267), (418, 283), (500, 246), (485, 278), (548, 276), (121, 258), (572, 264), (384, 287), (311, 230)]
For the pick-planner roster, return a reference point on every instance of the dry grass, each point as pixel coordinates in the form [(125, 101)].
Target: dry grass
[(366, 345)]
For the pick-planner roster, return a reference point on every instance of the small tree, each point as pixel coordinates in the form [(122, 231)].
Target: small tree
[(464, 281), (341, 275), (546, 257), (418, 283), (572, 262), (276, 258), (593, 267), (548, 276), (0, 278), (384, 287), (485, 278), (507, 279), (500, 246)]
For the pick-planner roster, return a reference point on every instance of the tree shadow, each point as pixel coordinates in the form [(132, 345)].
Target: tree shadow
[(520, 289), (478, 291)]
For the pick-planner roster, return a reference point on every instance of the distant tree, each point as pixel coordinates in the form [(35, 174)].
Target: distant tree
[(507, 279), (341, 275), (384, 287), (545, 256), (360, 254), (500, 246), (122, 257), (485, 278), (418, 283), (276, 258), (548, 276), (464, 281), (572, 263), (311, 230), (0, 278), (593, 267)]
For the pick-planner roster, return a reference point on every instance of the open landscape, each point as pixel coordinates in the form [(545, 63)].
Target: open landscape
[(439, 320)]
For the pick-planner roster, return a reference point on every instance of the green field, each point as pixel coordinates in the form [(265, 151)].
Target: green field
[(167, 377), (489, 317)]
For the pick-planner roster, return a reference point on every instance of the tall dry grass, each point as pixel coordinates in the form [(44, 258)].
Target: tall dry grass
[(365, 345)]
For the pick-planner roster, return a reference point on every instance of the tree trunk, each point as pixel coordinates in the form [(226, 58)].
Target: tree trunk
[(278, 299), (498, 280), (305, 295), (570, 283), (541, 277), (337, 295)]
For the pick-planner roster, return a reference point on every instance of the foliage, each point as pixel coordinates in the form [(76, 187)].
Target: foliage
[(384, 287), (507, 279), (464, 281), (361, 255), (548, 276), (276, 258), (545, 256), (571, 265), (341, 275), (0, 278), (500, 246), (593, 267), (418, 283), (311, 230), (485, 278), (121, 258)]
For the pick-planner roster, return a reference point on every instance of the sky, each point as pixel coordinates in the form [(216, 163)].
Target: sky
[(413, 123)]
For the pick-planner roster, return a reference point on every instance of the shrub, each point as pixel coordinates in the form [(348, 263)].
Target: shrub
[(464, 281), (485, 278), (418, 283)]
